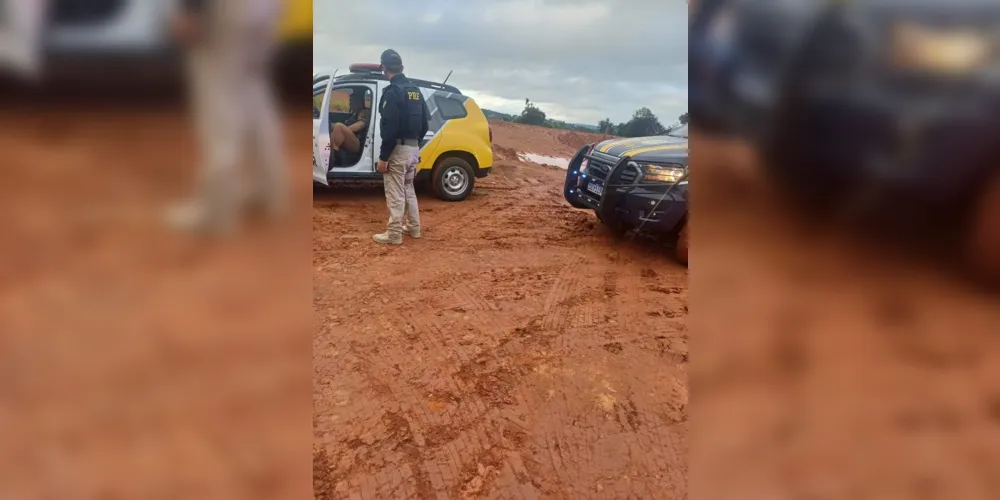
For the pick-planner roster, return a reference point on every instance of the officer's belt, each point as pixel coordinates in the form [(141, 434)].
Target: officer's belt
[(408, 142)]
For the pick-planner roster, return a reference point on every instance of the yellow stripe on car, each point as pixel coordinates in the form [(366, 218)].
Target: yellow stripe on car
[(655, 149)]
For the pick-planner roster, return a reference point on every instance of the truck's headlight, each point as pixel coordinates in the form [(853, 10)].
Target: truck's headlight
[(656, 173), (948, 51)]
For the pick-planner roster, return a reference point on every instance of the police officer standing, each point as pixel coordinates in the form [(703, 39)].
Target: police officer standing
[(230, 45), (405, 120)]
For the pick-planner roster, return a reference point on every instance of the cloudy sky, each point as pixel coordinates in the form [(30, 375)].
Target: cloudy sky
[(578, 60)]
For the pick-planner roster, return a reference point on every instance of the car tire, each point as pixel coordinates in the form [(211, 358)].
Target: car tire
[(681, 250), (983, 247), (615, 226), (453, 179)]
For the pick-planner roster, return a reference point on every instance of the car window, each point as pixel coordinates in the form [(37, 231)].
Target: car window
[(317, 103), (340, 100), (450, 108), (681, 131), (318, 90)]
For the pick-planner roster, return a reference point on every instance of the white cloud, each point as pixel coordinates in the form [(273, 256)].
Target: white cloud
[(578, 60), (490, 101), (525, 15), (431, 18)]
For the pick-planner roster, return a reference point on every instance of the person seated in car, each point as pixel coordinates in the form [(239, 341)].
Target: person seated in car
[(347, 135)]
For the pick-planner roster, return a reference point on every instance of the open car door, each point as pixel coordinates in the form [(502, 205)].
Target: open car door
[(321, 130)]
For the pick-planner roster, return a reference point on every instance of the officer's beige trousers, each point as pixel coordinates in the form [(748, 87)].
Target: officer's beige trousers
[(400, 195), (237, 120), (21, 26)]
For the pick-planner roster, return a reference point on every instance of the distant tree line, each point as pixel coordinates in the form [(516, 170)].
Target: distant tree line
[(532, 115), (643, 123)]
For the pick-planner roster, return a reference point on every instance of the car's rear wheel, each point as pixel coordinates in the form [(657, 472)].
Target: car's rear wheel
[(681, 250), (453, 179)]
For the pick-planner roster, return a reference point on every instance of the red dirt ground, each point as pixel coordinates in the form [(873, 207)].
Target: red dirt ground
[(827, 367), (138, 363), (539, 140), (518, 350)]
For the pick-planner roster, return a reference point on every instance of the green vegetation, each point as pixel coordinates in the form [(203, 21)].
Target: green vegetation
[(643, 123), (532, 115)]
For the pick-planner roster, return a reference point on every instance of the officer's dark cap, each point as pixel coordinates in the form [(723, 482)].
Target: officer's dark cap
[(391, 58)]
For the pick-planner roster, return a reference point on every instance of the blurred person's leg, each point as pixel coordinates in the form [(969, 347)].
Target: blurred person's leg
[(214, 89), (263, 118), (21, 25), (235, 111)]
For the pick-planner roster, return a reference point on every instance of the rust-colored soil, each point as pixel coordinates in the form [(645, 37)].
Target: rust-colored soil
[(540, 140), (517, 350), (143, 363), (826, 367)]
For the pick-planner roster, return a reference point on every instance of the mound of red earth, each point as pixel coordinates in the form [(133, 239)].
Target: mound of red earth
[(520, 138), (575, 140), (503, 153)]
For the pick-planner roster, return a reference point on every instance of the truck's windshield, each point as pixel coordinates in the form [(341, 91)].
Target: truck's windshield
[(679, 131)]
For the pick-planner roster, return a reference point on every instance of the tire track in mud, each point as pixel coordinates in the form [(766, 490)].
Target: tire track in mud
[(445, 428), (513, 322)]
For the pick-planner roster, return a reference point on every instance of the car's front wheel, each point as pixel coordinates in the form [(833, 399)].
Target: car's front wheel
[(453, 179), (681, 250), (983, 247), (615, 226)]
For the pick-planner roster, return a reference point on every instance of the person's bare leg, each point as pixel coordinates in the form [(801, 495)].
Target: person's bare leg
[(337, 136), (350, 141), (342, 137)]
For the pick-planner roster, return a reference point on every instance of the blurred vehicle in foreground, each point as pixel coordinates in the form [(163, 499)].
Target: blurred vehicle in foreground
[(111, 40), (885, 111), (635, 184)]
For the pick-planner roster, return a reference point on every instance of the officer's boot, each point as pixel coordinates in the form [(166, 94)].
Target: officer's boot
[(388, 238)]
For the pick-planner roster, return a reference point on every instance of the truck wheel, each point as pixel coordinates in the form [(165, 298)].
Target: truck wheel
[(453, 179), (984, 242), (615, 226), (681, 250)]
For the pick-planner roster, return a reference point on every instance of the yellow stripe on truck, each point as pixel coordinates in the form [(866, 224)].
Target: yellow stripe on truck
[(654, 149), (619, 142)]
